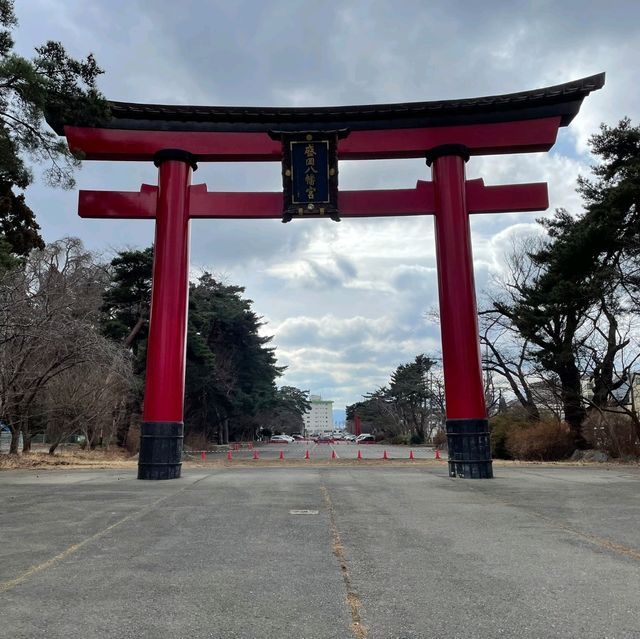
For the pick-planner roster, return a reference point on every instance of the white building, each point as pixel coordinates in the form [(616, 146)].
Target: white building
[(319, 419)]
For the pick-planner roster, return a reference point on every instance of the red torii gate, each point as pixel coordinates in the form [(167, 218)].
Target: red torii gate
[(446, 133)]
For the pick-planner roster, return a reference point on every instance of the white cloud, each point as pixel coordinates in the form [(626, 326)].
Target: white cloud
[(345, 301)]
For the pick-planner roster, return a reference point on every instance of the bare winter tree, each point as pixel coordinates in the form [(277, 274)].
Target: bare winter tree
[(91, 397), (48, 326), (506, 353)]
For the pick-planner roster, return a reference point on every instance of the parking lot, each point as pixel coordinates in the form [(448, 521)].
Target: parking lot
[(338, 450), (321, 552)]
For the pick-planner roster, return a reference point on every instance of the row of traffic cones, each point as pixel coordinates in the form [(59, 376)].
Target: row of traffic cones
[(306, 455)]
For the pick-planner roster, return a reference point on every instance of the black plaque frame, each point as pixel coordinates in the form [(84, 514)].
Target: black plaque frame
[(327, 208)]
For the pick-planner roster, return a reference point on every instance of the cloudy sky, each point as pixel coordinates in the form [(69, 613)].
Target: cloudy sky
[(346, 303)]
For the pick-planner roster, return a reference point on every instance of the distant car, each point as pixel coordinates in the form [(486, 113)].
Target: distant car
[(325, 439), (365, 438), (281, 439), (348, 437), (298, 437)]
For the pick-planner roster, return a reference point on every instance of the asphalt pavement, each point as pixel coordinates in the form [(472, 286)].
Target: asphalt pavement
[(338, 450), (321, 552)]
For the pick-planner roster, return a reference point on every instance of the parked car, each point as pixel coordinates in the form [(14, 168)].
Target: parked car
[(365, 438), (298, 437), (281, 439), (348, 437), (324, 439)]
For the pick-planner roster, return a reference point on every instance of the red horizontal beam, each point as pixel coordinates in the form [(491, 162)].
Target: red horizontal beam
[(210, 146), (119, 204), (506, 198), (418, 201), (267, 205)]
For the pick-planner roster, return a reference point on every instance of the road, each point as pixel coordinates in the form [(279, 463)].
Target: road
[(322, 552)]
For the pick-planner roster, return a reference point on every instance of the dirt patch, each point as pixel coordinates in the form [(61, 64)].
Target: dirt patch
[(68, 459)]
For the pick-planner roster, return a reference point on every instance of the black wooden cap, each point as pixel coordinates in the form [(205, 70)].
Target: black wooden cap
[(561, 100)]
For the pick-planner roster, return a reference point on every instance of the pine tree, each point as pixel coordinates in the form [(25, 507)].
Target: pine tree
[(50, 81), (585, 263)]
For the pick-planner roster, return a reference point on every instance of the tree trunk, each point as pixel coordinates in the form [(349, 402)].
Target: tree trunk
[(571, 395), (122, 434), (226, 431), (533, 413), (26, 435), (52, 448), (15, 441)]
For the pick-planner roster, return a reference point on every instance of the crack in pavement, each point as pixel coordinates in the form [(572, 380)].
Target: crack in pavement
[(354, 603)]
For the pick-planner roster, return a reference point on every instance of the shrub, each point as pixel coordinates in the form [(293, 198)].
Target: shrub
[(542, 441), (132, 443), (500, 427), (399, 440), (195, 441), (440, 439), (613, 433), (416, 439)]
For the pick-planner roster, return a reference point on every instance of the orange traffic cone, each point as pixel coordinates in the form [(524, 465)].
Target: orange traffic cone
[(255, 454), (282, 454), (438, 454), (229, 456), (203, 455), (410, 454), (359, 454), (384, 455), (333, 454), (306, 454)]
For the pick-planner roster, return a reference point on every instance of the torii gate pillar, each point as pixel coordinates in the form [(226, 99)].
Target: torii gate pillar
[(162, 427), (467, 424)]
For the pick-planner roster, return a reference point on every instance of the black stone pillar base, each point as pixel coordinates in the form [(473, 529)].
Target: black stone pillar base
[(160, 450), (469, 448)]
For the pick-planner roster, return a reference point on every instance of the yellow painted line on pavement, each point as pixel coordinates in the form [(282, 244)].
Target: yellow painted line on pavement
[(596, 540), (12, 583)]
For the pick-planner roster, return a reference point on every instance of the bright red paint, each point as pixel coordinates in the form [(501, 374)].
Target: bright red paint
[(464, 390), (166, 346), (418, 201), (524, 136), (449, 196)]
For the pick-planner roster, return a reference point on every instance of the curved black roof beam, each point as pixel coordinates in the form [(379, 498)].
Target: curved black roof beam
[(563, 100)]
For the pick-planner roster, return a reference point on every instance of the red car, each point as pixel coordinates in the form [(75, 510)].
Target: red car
[(324, 439)]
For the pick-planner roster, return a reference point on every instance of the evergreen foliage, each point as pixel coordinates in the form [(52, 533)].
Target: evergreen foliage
[(231, 368), (50, 81), (127, 300), (411, 403), (586, 263)]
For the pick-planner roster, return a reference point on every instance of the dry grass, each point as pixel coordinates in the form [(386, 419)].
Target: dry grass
[(116, 458), (69, 459)]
